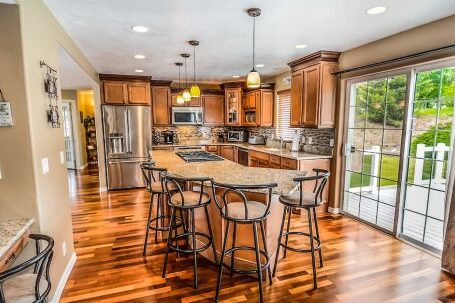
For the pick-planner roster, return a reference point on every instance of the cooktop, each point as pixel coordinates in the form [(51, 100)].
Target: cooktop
[(198, 156)]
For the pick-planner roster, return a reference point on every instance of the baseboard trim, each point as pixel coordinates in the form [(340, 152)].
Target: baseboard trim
[(333, 210), (61, 284), (83, 166)]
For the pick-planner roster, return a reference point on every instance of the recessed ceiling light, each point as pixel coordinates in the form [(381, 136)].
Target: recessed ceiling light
[(139, 29), (301, 46), (235, 76), (139, 70), (376, 10), (139, 56), (259, 65)]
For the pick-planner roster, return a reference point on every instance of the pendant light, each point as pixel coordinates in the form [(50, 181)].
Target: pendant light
[(194, 91), (253, 79), (186, 93), (179, 96)]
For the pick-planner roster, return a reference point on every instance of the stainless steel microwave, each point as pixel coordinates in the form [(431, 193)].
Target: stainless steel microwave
[(187, 115), (235, 136)]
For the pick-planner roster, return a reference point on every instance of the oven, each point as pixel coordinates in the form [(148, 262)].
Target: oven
[(187, 115)]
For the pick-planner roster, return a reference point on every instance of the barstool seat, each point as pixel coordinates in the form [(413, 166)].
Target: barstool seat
[(21, 288), (190, 198), (236, 210), (294, 199)]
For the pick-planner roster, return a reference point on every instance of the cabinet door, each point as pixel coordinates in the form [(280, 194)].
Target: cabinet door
[(227, 152), (174, 100), (328, 93), (213, 110), (194, 102), (233, 105), (139, 93), (161, 100), (296, 98), (266, 108), (115, 92), (311, 80)]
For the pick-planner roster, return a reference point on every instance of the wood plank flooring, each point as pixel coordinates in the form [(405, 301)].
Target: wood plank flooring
[(361, 263)]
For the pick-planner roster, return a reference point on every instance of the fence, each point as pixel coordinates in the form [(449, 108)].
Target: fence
[(437, 173)]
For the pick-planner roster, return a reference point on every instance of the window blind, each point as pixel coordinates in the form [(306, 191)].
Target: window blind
[(283, 129)]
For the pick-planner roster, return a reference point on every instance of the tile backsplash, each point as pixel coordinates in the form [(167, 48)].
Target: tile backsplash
[(320, 138)]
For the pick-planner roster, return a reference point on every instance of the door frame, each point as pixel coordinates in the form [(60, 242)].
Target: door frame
[(76, 127)]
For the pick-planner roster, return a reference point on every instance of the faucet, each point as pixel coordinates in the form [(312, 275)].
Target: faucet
[(281, 143)]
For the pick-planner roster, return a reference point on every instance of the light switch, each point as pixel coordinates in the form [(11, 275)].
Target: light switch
[(45, 165), (310, 140), (331, 143), (1, 176), (62, 157)]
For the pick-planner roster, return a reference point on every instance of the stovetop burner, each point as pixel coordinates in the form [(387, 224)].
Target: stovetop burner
[(198, 156)]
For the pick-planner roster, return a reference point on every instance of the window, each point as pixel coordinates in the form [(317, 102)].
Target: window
[(283, 129)]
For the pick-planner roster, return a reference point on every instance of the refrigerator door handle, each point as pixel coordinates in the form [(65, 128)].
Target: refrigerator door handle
[(130, 147)]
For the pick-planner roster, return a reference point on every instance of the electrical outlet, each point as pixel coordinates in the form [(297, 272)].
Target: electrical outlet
[(310, 140), (332, 142), (62, 157), (45, 165), (64, 248)]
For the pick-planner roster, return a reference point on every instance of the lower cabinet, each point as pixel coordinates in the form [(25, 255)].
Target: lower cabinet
[(228, 152), (213, 149)]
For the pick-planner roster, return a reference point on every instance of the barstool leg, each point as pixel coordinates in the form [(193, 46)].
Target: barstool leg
[(313, 257), (158, 213), (220, 266), (193, 235), (269, 271), (211, 234), (279, 241), (258, 261), (287, 230), (169, 241), (234, 235), (148, 226), (321, 260)]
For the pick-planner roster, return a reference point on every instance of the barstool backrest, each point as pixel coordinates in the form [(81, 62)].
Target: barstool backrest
[(320, 180), (40, 263), (168, 180), (238, 190), (151, 173)]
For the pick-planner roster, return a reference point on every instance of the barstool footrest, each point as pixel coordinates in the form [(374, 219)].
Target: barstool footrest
[(188, 234), (316, 239), (164, 228), (244, 271)]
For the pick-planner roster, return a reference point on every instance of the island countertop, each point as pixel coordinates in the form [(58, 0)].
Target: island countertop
[(227, 171), (11, 231)]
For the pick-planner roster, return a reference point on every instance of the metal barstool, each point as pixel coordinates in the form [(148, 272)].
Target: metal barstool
[(243, 212), (152, 176), (309, 201), (186, 200)]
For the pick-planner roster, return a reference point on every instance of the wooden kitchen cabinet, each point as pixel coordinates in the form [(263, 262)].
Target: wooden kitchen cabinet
[(258, 108), (233, 106), (195, 102), (115, 92), (139, 93), (227, 152), (213, 106), (161, 105), (313, 90), (258, 159), (267, 109), (125, 89), (214, 149)]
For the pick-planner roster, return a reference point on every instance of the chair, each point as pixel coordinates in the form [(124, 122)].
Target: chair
[(21, 286), (309, 201), (243, 212), (186, 200), (152, 176)]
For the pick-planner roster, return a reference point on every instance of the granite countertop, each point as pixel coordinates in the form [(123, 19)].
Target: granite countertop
[(228, 172), (11, 231), (261, 148)]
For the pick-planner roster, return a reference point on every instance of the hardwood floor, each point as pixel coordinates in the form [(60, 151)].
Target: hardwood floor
[(361, 263)]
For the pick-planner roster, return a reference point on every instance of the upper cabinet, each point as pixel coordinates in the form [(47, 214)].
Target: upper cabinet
[(213, 109), (118, 90), (233, 106), (313, 90), (258, 107), (193, 102), (161, 105)]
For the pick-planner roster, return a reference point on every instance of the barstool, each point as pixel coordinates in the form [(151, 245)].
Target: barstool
[(186, 200), (152, 176), (243, 212), (309, 201)]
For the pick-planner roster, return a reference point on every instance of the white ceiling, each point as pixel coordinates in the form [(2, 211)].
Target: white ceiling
[(101, 28), (71, 74)]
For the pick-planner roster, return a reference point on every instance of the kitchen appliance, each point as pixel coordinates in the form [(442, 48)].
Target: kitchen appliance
[(256, 140), (235, 136), (187, 115), (127, 141), (198, 156), (168, 137), (242, 156)]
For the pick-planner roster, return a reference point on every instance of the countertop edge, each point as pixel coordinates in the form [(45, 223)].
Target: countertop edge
[(17, 236)]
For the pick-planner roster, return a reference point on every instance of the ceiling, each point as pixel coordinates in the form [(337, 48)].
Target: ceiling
[(71, 74), (102, 29)]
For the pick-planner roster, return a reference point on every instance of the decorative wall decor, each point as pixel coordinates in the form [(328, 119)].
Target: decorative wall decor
[(50, 87), (6, 118)]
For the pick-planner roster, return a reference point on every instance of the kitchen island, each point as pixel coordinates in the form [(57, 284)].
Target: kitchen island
[(230, 172)]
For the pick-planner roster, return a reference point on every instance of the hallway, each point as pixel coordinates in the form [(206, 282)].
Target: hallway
[(361, 263)]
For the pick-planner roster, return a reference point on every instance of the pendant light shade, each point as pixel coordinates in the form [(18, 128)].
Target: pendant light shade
[(186, 93), (253, 79), (179, 96), (194, 91)]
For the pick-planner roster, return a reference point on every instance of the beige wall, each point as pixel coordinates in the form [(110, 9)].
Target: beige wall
[(33, 34)]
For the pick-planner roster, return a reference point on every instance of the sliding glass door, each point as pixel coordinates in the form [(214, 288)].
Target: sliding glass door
[(398, 150)]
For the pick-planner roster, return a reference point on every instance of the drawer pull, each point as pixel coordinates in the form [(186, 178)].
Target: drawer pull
[(11, 258)]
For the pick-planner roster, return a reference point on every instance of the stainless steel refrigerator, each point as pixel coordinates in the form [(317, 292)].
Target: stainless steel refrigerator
[(127, 140)]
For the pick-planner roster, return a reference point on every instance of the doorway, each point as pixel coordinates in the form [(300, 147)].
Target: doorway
[(68, 134), (398, 147)]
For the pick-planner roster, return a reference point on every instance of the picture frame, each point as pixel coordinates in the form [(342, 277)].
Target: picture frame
[(6, 117)]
